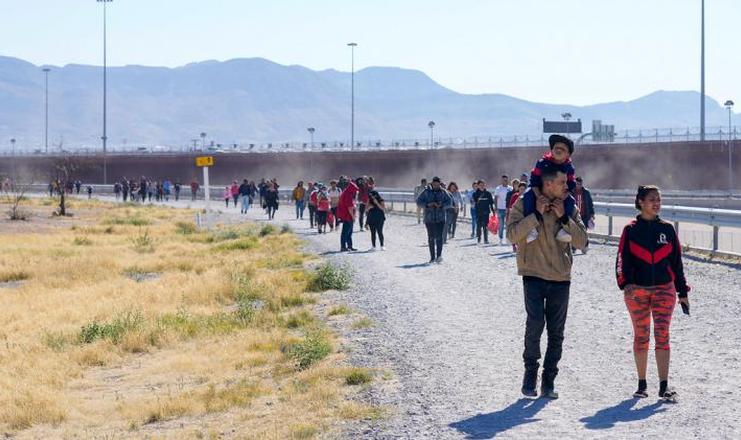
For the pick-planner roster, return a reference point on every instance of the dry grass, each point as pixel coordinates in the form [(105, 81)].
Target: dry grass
[(128, 318)]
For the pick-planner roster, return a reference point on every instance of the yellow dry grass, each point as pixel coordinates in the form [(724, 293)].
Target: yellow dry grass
[(125, 322)]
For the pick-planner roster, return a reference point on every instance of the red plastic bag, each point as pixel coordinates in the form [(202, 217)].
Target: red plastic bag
[(493, 225), (330, 218)]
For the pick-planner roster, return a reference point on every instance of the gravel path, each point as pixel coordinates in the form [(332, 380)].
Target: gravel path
[(452, 336)]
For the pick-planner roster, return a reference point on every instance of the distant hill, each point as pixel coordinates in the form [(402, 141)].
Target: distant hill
[(256, 100)]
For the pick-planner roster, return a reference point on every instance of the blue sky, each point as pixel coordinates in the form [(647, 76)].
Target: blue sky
[(557, 51)]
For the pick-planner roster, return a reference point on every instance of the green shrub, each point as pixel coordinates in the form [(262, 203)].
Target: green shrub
[(132, 220), (82, 241), (358, 376), (330, 277), (312, 349), (339, 310), (240, 244), (112, 331), (143, 242), (267, 230), (185, 228)]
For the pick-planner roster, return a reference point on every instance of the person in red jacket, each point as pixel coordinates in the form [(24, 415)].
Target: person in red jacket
[(346, 214), (649, 271)]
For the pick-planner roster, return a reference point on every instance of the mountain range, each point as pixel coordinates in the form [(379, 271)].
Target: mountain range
[(254, 100)]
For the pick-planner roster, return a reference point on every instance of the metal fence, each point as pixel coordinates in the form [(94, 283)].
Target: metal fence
[(632, 136)]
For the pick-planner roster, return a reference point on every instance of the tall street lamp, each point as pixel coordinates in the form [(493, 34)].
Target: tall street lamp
[(105, 91), (203, 141), (729, 106), (311, 131), (46, 109), (702, 71), (431, 124), (352, 94), (15, 159)]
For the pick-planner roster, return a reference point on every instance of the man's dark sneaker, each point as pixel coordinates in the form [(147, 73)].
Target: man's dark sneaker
[(529, 382), (352, 249), (343, 249)]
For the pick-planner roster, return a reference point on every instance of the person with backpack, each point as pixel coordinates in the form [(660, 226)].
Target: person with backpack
[(435, 201), (346, 212), (375, 218)]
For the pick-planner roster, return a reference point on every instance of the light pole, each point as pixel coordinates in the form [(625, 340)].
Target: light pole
[(203, 141), (105, 91), (311, 131), (46, 109), (15, 159), (729, 106), (431, 124), (702, 71), (352, 94)]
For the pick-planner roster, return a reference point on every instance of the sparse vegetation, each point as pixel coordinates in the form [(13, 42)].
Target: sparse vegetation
[(339, 310), (330, 277), (207, 332), (362, 323), (358, 376)]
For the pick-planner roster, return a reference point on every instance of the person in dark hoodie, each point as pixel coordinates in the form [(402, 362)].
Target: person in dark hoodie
[(650, 273), (435, 201), (484, 202)]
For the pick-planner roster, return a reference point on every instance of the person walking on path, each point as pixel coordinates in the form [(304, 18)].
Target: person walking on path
[(484, 207), (451, 216), (298, 198), (307, 202), (583, 198), (235, 192), (650, 273), (334, 199), (193, 189), (435, 201), (346, 214), (417, 191), (472, 203), (244, 195), (322, 208), (545, 266), (500, 201), (227, 194), (363, 199), (376, 218), (271, 200), (521, 188)]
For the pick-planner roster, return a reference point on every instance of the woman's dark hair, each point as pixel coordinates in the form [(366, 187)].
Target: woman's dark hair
[(452, 184), (643, 191)]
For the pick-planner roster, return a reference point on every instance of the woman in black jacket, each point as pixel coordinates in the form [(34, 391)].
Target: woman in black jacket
[(649, 271)]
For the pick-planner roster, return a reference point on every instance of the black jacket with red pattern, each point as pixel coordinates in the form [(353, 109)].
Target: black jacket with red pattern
[(650, 255)]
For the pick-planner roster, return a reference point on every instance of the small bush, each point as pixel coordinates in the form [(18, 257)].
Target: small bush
[(82, 241), (114, 331), (339, 310), (358, 376), (143, 242), (14, 275), (297, 320), (245, 310), (285, 229), (362, 323), (55, 340), (267, 230), (238, 245), (185, 228), (312, 349), (330, 277)]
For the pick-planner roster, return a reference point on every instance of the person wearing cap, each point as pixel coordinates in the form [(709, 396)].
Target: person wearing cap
[(419, 189), (559, 159), (435, 201)]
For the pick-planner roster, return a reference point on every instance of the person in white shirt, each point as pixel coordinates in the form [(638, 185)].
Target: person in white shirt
[(500, 201)]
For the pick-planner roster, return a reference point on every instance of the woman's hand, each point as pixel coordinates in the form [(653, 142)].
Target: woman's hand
[(685, 301)]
